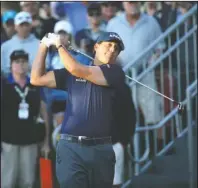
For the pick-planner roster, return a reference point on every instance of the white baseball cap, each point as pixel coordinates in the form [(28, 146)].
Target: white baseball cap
[(23, 17), (63, 25)]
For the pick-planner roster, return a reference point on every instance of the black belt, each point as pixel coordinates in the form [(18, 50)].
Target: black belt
[(86, 140)]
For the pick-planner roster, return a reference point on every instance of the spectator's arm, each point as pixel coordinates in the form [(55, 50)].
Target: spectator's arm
[(3, 59), (155, 34), (46, 144)]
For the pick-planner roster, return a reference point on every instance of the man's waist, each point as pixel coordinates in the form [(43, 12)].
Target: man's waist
[(85, 140)]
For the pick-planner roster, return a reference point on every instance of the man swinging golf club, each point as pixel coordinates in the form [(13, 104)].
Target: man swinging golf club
[(85, 156)]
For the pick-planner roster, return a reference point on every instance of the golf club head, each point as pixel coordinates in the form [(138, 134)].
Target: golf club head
[(180, 109)]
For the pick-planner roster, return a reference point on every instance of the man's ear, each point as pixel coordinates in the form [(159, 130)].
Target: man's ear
[(95, 47)]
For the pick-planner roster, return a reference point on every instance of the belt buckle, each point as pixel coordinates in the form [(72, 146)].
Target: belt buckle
[(80, 138)]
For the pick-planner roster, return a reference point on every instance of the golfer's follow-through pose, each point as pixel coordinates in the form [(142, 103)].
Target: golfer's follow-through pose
[(85, 157)]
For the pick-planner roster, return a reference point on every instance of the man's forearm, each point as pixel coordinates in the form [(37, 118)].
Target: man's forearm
[(45, 116), (38, 66), (72, 66)]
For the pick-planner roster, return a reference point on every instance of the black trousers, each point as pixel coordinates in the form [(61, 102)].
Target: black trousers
[(81, 166)]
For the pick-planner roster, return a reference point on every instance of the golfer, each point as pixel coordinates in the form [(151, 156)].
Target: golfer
[(85, 156)]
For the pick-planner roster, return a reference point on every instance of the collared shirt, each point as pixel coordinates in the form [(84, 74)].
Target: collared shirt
[(29, 45), (90, 107), (135, 38), (15, 130)]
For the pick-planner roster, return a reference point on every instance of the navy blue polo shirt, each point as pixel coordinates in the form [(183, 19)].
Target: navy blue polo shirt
[(89, 109)]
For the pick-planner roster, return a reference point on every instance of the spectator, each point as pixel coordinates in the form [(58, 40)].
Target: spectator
[(183, 8), (123, 131), (8, 29), (48, 21), (108, 10), (23, 40), (152, 10), (64, 29), (21, 132), (39, 26), (169, 14), (37, 23), (131, 26), (85, 38)]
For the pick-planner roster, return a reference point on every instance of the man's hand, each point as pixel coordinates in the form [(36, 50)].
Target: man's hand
[(47, 42), (45, 149), (55, 38)]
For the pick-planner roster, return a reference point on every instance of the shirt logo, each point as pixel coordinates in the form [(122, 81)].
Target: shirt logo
[(80, 80)]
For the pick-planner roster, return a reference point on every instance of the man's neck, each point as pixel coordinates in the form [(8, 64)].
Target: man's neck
[(97, 62), (22, 37), (20, 79), (151, 12), (95, 28), (132, 19)]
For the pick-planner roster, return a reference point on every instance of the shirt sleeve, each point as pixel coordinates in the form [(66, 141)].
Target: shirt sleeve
[(113, 74), (61, 76)]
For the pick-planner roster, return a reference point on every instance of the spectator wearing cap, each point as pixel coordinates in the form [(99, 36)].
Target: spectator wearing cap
[(39, 26), (37, 23), (8, 29), (21, 132), (86, 38), (23, 39)]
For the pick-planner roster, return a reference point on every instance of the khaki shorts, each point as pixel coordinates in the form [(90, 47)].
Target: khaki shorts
[(18, 164)]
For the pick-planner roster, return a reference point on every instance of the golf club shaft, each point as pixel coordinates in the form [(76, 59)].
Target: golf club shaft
[(151, 89), (71, 48)]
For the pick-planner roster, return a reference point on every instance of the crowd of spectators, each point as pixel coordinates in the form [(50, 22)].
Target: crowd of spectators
[(138, 24)]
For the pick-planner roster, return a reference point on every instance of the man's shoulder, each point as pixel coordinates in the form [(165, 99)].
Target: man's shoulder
[(116, 21), (151, 20), (7, 43)]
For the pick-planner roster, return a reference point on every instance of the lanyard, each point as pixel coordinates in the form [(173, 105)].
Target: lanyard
[(22, 94)]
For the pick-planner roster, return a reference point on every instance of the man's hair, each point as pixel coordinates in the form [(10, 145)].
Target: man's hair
[(94, 7)]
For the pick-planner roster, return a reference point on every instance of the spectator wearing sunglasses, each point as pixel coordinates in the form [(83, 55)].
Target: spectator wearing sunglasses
[(8, 29), (23, 39), (86, 38)]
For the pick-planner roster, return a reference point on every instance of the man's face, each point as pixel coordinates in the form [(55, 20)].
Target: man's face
[(20, 66), (31, 7), (47, 9), (106, 52), (9, 27), (23, 29), (94, 17), (131, 8), (108, 9), (64, 37)]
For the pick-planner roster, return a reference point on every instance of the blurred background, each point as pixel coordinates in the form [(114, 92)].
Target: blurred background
[(161, 51)]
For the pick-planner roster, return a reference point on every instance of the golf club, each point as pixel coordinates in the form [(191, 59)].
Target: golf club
[(179, 104)]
